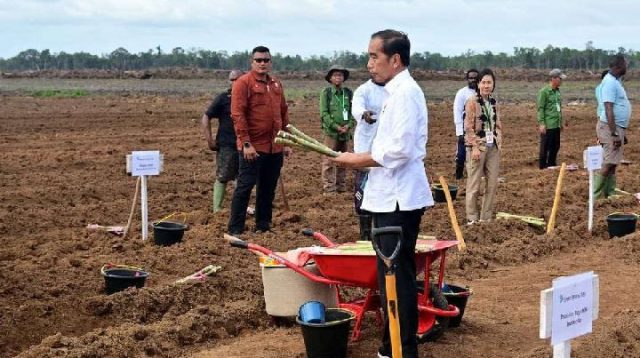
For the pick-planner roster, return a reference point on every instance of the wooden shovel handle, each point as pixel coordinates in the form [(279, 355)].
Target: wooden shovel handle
[(452, 215)]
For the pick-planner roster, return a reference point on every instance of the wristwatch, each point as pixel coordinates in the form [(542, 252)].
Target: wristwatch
[(246, 144)]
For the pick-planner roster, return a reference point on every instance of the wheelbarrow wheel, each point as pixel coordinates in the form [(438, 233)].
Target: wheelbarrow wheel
[(442, 323)]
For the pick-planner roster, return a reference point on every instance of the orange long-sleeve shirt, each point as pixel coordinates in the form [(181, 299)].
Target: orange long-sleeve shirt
[(259, 111)]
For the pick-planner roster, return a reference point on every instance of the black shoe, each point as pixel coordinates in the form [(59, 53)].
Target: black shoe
[(382, 353), (263, 230)]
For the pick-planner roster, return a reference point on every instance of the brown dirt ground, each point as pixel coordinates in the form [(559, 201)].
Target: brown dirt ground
[(62, 167)]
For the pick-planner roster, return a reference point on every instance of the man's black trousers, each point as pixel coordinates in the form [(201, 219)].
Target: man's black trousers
[(263, 173), (405, 273), (549, 147)]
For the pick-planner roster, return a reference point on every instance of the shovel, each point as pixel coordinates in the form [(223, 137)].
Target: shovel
[(390, 284)]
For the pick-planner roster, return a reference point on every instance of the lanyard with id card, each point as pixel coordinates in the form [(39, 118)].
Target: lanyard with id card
[(489, 137), (345, 113)]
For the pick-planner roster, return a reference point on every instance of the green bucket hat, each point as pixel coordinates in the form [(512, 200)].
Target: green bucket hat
[(335, 68)]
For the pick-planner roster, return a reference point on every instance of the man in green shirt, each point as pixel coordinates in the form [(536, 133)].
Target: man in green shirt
[(550, 121), (337, 126)]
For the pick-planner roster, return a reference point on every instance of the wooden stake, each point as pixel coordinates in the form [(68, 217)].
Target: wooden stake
[(133, 208), (283, 193), (556, 200), (452, 215), (144, 207)]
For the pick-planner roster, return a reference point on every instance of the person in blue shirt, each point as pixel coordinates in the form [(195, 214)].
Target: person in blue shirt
[(612, 124), (600, 107)]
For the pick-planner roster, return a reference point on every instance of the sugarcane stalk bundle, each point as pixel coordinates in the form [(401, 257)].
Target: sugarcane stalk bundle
[(200, 275), (528, 219), (300, 140)]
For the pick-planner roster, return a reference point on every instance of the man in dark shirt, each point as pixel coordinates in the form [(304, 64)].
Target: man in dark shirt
[(259, 110), (224, 143)]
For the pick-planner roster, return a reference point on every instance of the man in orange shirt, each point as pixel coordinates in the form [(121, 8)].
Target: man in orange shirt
[(259, 111)]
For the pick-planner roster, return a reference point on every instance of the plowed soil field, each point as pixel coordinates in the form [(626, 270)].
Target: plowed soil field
[(62, 167)]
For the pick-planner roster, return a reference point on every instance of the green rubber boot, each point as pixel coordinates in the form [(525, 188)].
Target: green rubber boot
[(610, 187), (599, 184), (219, 190)]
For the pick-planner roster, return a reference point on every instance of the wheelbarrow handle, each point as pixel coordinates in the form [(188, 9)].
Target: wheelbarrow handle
[(376, 233), (239, 244), (235, 242), (320, 237)]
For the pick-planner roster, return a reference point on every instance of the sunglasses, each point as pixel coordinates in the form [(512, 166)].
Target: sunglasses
[(262, 60)]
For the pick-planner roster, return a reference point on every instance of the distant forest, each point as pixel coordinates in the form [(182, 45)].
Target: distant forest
[(591, 59)]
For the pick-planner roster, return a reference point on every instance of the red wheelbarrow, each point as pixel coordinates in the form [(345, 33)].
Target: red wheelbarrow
[(347, 265)]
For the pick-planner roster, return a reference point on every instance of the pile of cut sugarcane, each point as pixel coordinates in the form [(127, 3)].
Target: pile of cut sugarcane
[(528, 219), (296, 138)]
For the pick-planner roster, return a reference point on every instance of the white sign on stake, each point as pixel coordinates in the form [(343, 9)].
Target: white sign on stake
[(572, 307), (145, 163), (594, 157), (568, 309)]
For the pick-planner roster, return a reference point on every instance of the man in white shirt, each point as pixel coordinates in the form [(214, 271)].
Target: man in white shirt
[(365, 108), (462, 96), (397, 191)]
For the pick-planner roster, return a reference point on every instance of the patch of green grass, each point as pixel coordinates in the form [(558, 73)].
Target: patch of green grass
[(60, 93), (301, 92)]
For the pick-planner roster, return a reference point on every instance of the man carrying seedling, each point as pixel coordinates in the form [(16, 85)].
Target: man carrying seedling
[(612, 124), (461, 98), (337, 123), (224, 144), (397, 190), (550, 121), (367, 105), (259, 111)]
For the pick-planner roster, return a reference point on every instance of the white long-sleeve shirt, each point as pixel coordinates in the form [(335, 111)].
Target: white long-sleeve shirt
[(368, 97), (462, 96), (399, 146)]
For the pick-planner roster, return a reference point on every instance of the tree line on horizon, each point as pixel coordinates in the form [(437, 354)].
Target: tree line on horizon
[(589, 59)]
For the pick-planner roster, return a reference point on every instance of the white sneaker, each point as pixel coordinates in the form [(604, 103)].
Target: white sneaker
[(250, 210), (382, 356), (471, 222)]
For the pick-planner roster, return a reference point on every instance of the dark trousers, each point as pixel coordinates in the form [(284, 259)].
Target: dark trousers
[(461, 154), (549, 147), (405, 273), (358, 191), (262, 173)]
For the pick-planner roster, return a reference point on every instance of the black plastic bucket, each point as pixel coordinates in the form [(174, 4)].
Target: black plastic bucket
[(620, 224), (166, 233), (119, 279), (328, 339), (457, 296), (438, 192)]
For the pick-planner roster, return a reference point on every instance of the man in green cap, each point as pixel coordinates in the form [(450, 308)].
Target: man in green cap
[(224, 143), (337, 126), (550, 121)]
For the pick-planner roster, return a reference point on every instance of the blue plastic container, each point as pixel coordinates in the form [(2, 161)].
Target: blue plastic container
[(312, 312)]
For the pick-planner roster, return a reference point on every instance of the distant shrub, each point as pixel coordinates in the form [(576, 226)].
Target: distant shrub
[(60, 93)]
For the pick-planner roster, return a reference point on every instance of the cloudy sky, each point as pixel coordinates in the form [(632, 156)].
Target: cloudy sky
[(308, 27)]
